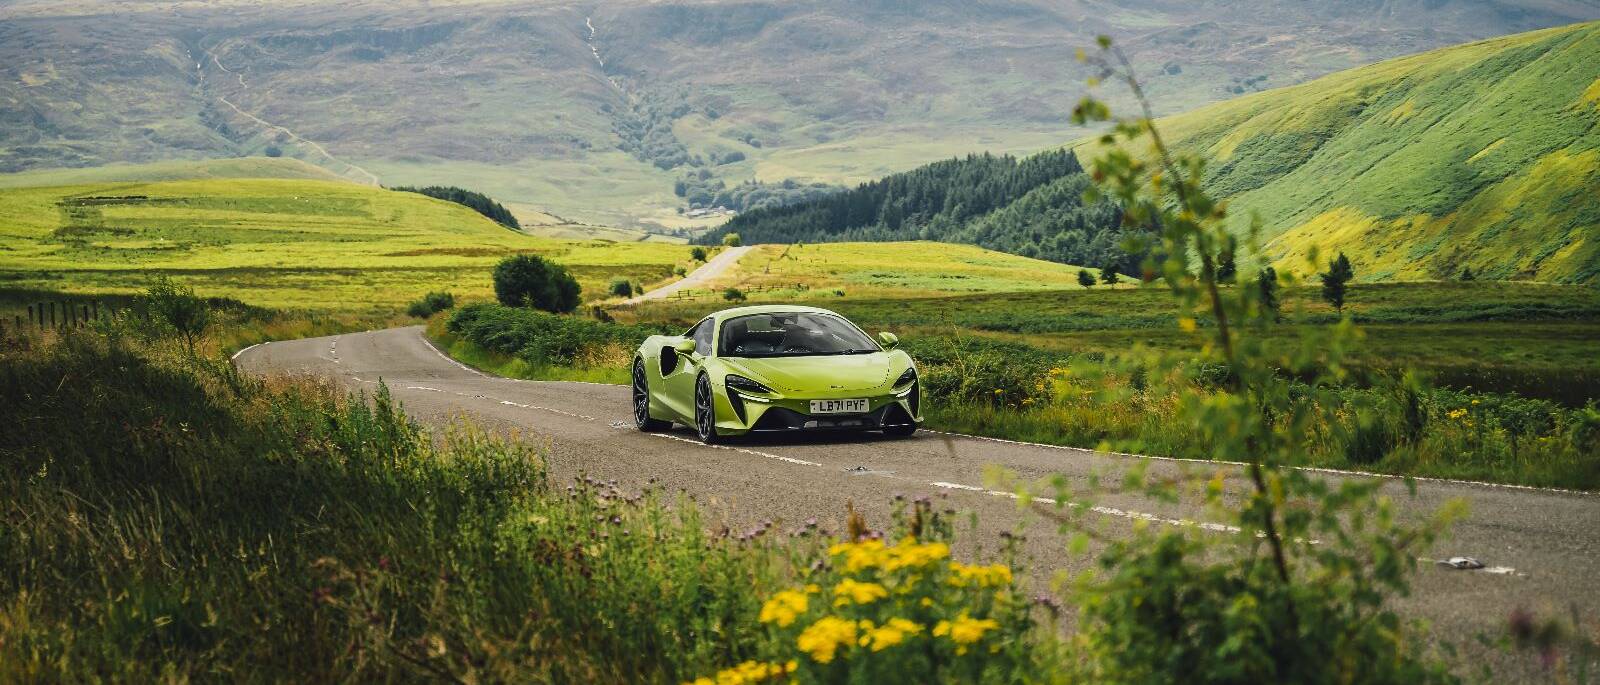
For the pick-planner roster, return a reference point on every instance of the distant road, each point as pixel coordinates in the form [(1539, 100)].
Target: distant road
[(1544, 543), (698, 278)]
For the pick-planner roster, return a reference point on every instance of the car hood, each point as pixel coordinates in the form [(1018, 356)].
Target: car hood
[(820, 373)]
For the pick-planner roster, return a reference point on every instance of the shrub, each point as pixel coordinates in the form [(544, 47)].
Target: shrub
[(530, 281), (430, 304), (620, 287), (179, 308), (733, 295), (731, 240), (539, 338), (697, 253), (1084, 279)]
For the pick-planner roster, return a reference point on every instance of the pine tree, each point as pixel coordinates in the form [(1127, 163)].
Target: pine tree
[(1108, 274), (1333, 281), (1466, 274), (1084, 279)]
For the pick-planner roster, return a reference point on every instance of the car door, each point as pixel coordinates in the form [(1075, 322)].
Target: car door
[(679, 395)]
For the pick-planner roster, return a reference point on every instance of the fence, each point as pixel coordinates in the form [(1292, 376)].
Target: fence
[(58, 315), (689, 294)]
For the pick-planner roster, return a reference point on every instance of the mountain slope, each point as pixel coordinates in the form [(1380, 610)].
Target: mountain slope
[(593, 110), (1483, 156)]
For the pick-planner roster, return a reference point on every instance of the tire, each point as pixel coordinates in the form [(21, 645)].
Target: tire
[(705, 421), (641, 402), (905, 431)]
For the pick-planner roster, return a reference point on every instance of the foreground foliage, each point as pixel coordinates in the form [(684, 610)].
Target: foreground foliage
[(197, 523)]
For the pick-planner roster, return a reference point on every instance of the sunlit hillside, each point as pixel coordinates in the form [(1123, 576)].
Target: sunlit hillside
[(1483, 156)]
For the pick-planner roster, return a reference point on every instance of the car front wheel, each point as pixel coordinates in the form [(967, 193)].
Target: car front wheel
[(705, 414)]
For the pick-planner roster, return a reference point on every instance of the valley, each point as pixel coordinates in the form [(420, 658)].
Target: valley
[(594, 113)]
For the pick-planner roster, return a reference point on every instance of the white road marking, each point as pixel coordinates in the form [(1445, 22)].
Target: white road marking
[(450, 359), (742, 450), (235, 356), (1309, 469), (1109, 511)]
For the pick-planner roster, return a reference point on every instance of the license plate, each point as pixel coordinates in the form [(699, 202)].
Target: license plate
[(838, 406)]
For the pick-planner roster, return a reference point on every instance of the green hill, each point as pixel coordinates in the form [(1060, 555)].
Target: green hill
[(595, 111), (286, 242), (1482, 156)]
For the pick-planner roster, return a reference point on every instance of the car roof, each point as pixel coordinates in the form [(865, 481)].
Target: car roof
[(769, 309)]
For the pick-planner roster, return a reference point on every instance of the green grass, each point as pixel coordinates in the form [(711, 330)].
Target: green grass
[(198, 524), (283, 243), (1482, 155)]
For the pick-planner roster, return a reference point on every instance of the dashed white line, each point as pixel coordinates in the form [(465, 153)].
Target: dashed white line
[(1109, 511), (768, 455), (1309, 469)]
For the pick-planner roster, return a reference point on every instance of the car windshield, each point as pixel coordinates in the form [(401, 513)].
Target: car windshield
[(792, 334)]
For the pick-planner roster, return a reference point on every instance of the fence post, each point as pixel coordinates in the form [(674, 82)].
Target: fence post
[(30, 315), (96, 310), (52, 315), (85, 314)]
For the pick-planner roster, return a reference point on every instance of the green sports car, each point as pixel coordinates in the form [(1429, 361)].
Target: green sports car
[(775, 369)]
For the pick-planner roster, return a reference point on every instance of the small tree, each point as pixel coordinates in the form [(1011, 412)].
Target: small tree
[(1108, 274), (1267, 282), (1085, 279), (1333, 281), (178, 307), (731, 240), (530, 281), (620, 287), (698, 254), (1226, 267), (1466, 274)]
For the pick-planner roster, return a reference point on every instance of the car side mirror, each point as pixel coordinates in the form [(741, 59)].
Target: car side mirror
[(684, 348), (889, 340)]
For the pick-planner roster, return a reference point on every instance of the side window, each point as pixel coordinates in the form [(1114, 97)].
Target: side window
[(702, 337)]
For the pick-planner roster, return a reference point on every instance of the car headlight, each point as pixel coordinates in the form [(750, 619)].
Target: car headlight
[(907, 378), (740, 383)]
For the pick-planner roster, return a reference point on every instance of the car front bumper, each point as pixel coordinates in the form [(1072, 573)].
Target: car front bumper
[(747, 413)]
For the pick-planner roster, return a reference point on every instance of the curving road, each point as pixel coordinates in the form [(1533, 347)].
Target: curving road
[(1542, 546), (700, 277)]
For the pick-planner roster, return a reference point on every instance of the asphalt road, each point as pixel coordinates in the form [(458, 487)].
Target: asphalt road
[(1543, 546), (698, 278)]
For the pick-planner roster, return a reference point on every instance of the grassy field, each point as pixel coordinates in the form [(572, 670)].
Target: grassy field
[(1535, 339), (1483, 155), (287, 243), (890, 270)]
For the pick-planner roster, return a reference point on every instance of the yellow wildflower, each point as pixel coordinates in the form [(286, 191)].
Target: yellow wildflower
[(981, 576), (784, 608), (965, 630), (910, 554), (849, 590), (748, 672), (822, 639), (890, 634), (859, 556)]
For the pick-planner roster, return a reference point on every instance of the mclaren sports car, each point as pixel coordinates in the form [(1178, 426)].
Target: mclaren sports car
[(775, 369)]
